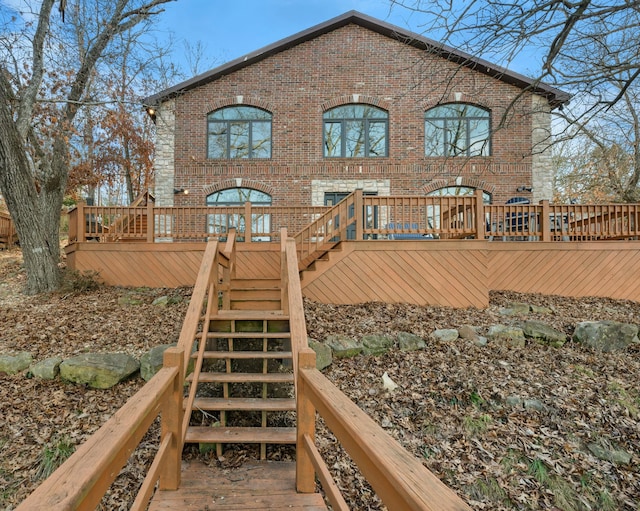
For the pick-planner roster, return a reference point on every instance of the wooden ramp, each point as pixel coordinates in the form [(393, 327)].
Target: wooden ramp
[(264, 485)]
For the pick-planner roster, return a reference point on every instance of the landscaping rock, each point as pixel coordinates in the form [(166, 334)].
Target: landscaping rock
[(12, 364), (129, 300), (515, 308), (445, 334), (511, 335), (323, 354), (544, 334), (376, 344), (47, 369), (480, 341), (612, 455), (606, 336), (343, 346), (537, 309), (151, 362), (99, 370), (161, 301), (410, 342), (468, 332)]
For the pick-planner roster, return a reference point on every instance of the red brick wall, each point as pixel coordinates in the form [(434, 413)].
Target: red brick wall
[(299, 84)]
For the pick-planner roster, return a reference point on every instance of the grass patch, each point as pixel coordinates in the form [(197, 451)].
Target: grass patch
[(477, 425), (489, 490), (53, 455)]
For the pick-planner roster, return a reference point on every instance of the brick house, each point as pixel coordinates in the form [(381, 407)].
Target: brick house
[(352, 103)]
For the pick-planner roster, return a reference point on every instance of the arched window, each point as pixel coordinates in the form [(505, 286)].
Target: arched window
[(460, 190), (239, 132), (457, 129), (219, 224), (355, 131)]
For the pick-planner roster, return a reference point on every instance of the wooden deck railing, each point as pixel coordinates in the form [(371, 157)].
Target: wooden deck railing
[(7, 230), (360, 217)]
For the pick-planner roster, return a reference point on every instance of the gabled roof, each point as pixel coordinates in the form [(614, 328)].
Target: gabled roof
[(555, 96)]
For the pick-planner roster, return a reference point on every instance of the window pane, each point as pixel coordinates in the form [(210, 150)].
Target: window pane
[(261, 140), (456, 138), (239, 142), (354, 138), (217, 143), (332, 137), (237, 197), (434, 138), (479, 137), (377, 138)]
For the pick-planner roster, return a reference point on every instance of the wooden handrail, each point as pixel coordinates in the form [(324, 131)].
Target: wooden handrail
[(398, 478), (82, 480)]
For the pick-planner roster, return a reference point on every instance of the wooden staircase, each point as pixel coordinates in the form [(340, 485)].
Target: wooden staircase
[(242, 387)]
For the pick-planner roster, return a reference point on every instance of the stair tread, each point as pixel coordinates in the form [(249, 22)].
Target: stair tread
[(210, 377), (244, 354), (244, 403), (251, 314), (249, 335), (204, 434), (253, 283)]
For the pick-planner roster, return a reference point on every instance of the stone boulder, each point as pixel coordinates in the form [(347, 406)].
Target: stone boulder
[(511, 335), (151, 362), (605, 335), (343, 346), (544, 334), (47, 369), (14, 363), (376, 344), (445, 334), (99, 370), (323, 354), (410, 342), (514, 308)]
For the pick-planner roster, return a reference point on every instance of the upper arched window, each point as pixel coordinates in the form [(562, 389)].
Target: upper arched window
[(238, 196), (239, 132), (457, 129), (356, 131), (447, 191)]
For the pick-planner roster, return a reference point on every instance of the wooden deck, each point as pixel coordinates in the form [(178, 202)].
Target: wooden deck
[(264, 485)]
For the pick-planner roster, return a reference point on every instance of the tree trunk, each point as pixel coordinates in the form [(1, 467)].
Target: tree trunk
[(18, 188)]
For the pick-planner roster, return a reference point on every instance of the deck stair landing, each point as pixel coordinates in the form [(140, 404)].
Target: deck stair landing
[(241, 390)]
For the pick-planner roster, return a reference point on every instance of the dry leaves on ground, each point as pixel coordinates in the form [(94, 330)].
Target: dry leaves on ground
[(450, 408)]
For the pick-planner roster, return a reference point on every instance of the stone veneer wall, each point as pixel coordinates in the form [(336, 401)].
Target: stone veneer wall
[(541, 163), (165, 154)]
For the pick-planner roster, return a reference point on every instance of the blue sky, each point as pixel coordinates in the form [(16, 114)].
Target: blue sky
[(231, 29)]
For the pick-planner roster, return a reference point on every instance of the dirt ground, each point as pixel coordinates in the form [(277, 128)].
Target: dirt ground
[(452, 408)]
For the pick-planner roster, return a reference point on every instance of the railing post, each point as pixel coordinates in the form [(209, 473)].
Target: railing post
[(360, 217), (81, 225), (151, 222), (247, 222), (306, 425), (172, 415), (545, 221), (284, 281), (479, 216)]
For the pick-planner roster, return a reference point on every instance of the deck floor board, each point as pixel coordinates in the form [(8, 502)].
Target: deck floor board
[(264, 485)]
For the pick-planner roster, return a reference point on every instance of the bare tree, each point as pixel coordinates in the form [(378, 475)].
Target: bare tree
[(34, 162), (587, 48)]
